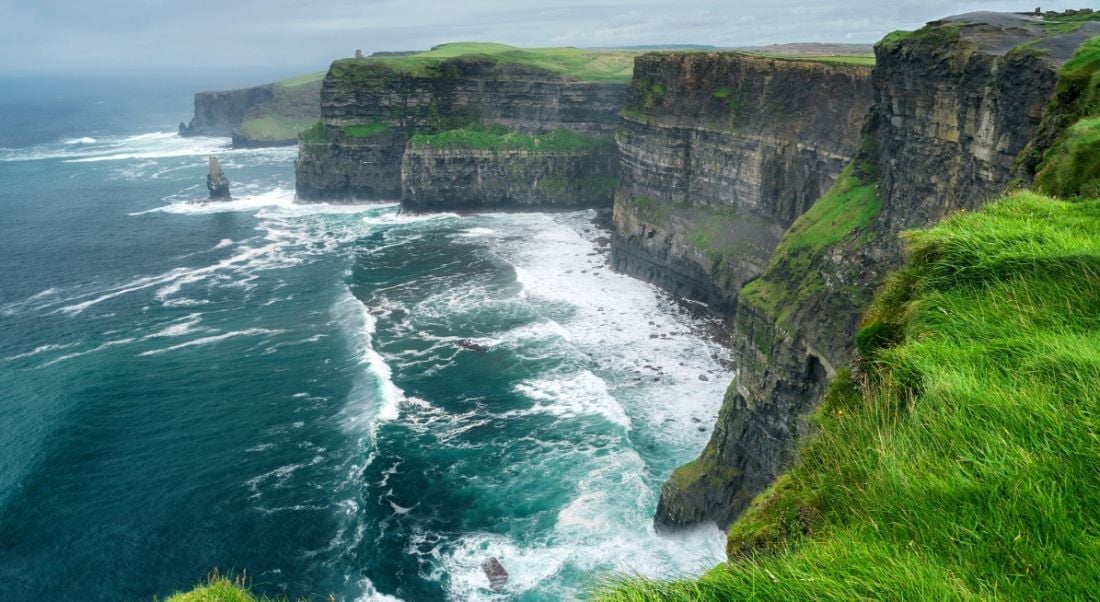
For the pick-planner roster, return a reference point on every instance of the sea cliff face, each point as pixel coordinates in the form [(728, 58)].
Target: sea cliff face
[(954, 105), (267, 115), (719, 153), (445, 179), (220, 113), (371, 110)]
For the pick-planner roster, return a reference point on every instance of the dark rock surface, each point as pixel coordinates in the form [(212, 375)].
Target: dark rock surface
[(216, 182), (498, 577), (220, 113), (719, 153), (333, 165), (225, 113), (440, 180), (954, 104)]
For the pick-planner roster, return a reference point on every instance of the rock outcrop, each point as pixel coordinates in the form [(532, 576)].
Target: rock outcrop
[(371, 110), (216, 182), (498, 576), (261, 116), (447, 179), (954, 105), (719, 153), (220, 113)]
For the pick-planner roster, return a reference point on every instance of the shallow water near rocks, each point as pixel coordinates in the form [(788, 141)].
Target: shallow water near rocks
[(339, 399)]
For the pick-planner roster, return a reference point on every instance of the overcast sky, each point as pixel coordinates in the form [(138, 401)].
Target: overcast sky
[(41, 36)]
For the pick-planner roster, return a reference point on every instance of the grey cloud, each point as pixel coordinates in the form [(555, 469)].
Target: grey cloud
[(61, 35)]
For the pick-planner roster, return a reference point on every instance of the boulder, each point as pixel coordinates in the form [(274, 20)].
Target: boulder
[(498, 577)]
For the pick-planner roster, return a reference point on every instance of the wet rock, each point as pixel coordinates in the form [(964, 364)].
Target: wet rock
[(498, 577), (216, 182), (704, 378)]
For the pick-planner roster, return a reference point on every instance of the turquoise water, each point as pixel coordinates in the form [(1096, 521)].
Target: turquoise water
[(339, 399)]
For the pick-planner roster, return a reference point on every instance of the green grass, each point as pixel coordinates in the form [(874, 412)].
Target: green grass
[(574, 63), (844, 211), (833, 59), (1068, 23), (316, 133), (500, 138), (1071, 167), (366, 130), (302, 80), (931, 35), (849, 204), (275, 127), (219, 588), (964, 463), (297, 105)]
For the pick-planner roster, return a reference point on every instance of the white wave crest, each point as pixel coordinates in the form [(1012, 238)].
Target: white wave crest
[(248, 332), (571, 396), (383, 403)]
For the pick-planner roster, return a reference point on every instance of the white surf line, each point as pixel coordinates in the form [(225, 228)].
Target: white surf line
[(213, 339)]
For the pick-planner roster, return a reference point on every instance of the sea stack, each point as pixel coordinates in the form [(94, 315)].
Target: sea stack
[(216, 182)]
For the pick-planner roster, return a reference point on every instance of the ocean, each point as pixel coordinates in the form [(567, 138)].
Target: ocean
[(334, 400)]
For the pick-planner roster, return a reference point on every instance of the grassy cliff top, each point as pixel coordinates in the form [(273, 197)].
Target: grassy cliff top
[(302, 80), (962, 462), (573, 63), (842, 59), (296, 106)]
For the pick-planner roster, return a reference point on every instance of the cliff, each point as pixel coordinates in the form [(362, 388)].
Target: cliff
[(446, 179), (372, 108), (954, 105), (220, 113), (267, 115), (719, 153)]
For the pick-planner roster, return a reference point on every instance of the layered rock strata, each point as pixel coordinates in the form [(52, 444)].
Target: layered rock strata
[(719, 153), (954, 105), (370, 111), (446, 179)]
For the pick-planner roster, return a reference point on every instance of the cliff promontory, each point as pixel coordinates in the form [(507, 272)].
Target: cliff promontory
[(467, 125), (954, 104), (719, 154), (267, 115)]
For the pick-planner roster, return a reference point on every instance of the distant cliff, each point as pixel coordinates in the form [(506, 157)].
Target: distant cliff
[(483, 105), (267, 115), (954, 104), (719, 153)]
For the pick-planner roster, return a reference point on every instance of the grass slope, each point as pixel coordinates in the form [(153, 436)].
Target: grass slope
[(1072, 166), (575, 63), (965, 463), (297, 106), (845, 209)]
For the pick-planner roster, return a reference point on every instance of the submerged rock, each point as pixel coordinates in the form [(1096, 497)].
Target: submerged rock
[(216, 182), (498, 577)]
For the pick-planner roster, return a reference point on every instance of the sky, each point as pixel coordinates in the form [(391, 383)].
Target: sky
[(87, 36)]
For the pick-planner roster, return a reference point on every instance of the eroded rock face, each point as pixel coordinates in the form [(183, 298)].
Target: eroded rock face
[(440, 179), (953, 105), (221, 113), (343, 161), (719, 153), (216, 182)]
